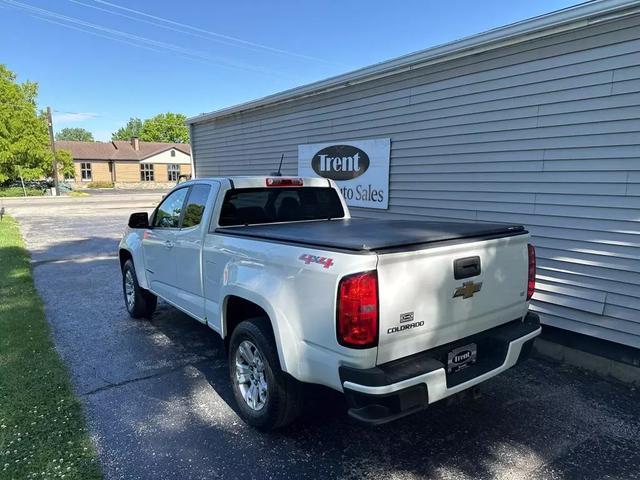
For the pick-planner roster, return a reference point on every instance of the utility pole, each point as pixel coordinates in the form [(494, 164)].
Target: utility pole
[(53, 150)]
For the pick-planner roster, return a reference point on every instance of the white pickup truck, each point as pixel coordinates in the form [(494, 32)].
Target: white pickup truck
[(396, 314)]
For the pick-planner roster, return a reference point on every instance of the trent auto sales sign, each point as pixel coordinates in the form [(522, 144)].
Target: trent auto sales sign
[(360, 168)]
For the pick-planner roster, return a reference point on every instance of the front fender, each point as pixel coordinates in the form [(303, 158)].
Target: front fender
[(132, 243)]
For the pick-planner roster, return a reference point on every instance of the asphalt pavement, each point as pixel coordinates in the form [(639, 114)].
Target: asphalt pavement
[(158, 402)]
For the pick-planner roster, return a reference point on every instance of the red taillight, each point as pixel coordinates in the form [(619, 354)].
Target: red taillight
[(284, 182), (531, 283), (358, 310)]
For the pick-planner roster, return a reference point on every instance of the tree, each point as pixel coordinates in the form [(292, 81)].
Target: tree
[(79, 134), (24, 138), (165, 127), (65, 164), (131, 129)]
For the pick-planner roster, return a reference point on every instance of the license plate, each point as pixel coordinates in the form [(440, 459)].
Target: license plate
[(462, 357)]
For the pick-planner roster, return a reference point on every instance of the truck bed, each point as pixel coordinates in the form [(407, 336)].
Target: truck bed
[(367, 235)]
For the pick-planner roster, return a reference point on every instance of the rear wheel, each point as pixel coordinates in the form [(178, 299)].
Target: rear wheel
[(267, 397), (140, 303)]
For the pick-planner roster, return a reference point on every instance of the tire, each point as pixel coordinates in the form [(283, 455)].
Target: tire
[(282, 402), (140, 303)]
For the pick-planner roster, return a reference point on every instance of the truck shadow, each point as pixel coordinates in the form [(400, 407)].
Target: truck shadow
[(525, 420)]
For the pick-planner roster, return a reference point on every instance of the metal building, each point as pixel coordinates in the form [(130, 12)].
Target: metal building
[(536, 123)]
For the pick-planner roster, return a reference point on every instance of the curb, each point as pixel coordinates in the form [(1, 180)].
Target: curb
[(599, 365)]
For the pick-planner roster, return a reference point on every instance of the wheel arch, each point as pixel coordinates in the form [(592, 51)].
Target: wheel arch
[(125, 254), (240, 306)]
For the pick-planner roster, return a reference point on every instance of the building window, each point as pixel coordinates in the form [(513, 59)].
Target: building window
[(85, 171), (173, 153), (173, 172), (146, 172)]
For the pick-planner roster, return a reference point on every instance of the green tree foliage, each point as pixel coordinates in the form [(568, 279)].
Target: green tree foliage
[(164, 127), (24, 138), (131, 129), (193, 215), (65, 164), (78, 134)]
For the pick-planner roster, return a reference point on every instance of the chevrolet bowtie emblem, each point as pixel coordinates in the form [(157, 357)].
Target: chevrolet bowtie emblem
[(467, 290)]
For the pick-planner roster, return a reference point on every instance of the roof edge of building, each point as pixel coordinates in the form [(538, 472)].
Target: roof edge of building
[(555, 22)]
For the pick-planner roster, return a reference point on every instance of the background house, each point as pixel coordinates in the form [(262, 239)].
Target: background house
[(128, 163), (535, 123)]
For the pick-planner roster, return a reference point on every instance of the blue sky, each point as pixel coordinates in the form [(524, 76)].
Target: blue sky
[(99, 62)]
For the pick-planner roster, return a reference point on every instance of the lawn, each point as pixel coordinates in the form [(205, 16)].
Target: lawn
[(42, 431), (18, 192)]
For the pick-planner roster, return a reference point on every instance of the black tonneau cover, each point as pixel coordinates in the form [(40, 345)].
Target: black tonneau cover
[(371, 235)]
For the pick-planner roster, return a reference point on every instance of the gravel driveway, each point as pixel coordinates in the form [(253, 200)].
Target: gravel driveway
[(159, 404)]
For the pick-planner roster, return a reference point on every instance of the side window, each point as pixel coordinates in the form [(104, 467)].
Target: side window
[(195, 205), (168, 213)]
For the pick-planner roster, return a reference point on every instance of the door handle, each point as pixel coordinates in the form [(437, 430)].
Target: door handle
[(168, 244), (466, 267)]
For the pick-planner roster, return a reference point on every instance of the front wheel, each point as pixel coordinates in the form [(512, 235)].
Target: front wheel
[(267, 397), (140, 303)]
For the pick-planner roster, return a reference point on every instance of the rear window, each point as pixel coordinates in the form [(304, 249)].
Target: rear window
[(268, 205)]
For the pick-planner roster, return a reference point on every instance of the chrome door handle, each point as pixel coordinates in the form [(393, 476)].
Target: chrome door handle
[(168, 244)]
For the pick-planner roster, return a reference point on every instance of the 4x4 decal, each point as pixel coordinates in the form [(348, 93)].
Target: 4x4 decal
[(308, 258)]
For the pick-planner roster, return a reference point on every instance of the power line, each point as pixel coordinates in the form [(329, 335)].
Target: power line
[(149, 22), (96, 34), (132, 39), (209, 37), (94, 115), (204, 31), (45, 115)]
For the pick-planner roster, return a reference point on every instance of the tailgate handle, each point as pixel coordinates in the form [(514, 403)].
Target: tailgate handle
[(466, 267)]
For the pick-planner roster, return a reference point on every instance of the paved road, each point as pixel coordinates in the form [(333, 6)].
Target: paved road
[(125, 191), (159, 404)]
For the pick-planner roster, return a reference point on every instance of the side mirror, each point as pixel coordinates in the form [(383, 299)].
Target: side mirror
[(139, 220)]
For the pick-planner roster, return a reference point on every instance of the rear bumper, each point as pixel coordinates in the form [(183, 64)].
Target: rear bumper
[(393, 390)]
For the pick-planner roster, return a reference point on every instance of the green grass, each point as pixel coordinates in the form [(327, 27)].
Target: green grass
[(42, 431), (18, 192), (100, 185), (77, 193)]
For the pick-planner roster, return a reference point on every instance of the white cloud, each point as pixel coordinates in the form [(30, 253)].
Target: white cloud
[(71, 117)]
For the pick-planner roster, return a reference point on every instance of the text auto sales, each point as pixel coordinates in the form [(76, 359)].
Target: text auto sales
[(362, 192)]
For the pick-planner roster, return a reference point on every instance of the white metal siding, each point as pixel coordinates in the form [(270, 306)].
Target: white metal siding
[(546, 133)]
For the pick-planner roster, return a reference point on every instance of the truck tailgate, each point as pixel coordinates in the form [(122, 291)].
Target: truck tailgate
[(423, 305)]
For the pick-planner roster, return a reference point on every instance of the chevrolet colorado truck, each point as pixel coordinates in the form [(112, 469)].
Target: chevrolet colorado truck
[(395, 314)]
